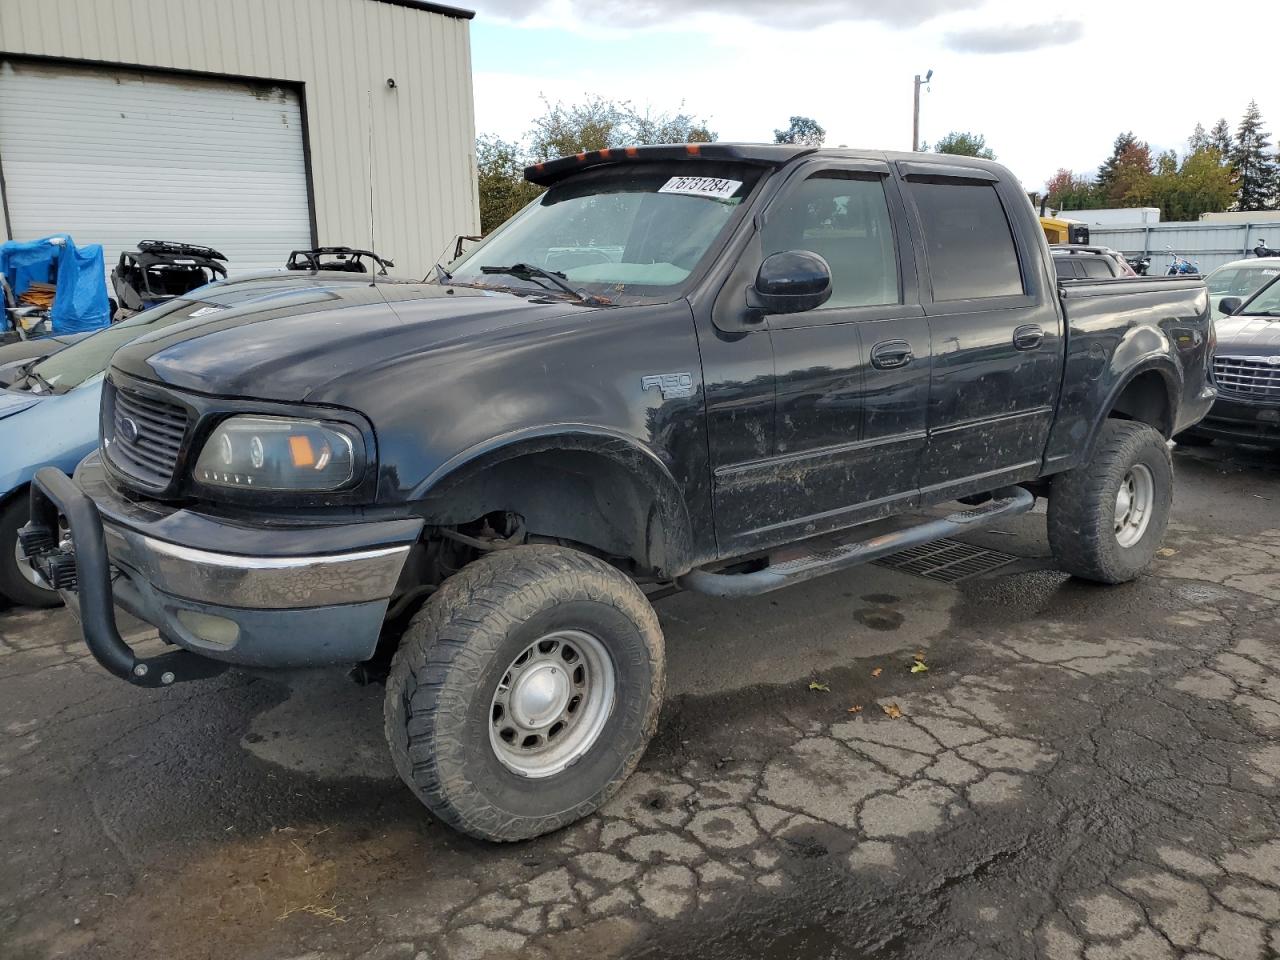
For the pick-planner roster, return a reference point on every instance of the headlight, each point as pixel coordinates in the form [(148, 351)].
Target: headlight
[(280, 453)]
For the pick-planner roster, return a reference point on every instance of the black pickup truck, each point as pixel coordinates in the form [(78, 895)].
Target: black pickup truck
[(725, 368)]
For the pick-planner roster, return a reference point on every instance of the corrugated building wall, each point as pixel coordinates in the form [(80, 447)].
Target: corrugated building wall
[(398, 160)]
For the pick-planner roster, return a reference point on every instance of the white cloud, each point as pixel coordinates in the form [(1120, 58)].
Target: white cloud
[(1039, 110)]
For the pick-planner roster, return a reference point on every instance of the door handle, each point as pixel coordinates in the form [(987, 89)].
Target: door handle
[(891, 354), (1028, 337)]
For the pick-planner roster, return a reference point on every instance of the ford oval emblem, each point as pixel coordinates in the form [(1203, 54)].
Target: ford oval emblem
[(128, 430)]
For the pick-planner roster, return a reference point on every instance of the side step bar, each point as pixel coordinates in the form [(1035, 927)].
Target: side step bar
[(1006, 502)]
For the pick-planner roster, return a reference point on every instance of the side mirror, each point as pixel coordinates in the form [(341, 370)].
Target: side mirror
[(790, 282), (1229, 305)]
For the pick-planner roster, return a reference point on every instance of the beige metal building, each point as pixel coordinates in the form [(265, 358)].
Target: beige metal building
[(252, 126)]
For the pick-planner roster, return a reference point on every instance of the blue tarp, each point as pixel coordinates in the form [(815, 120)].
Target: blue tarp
[(79, 273)]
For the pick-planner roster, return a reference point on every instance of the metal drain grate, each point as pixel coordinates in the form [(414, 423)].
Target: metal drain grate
[(947, 561)]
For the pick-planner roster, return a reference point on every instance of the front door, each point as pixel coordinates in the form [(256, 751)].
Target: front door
[(851, 378)]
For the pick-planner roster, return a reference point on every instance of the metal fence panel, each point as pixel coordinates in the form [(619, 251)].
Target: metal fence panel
[(1208, 244)]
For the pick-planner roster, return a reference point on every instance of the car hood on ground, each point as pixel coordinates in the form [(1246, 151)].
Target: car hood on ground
[(300, 344), (1251, 336)]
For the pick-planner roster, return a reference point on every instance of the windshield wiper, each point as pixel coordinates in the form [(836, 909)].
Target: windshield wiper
[(527, 271), (33, 374)]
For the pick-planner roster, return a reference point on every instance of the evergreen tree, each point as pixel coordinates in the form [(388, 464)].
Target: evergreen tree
[(1125, 142), (1220, 138), (1255, 166), (1198, 139)]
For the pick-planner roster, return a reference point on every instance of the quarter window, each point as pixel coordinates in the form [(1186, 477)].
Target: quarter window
[(968, 239), (844, 218)]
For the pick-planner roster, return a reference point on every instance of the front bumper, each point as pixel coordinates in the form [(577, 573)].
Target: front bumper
[(294, 606), (1242, 422)]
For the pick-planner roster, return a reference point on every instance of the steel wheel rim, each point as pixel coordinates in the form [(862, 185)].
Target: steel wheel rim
[(1134, 502), (29, 573), (552, 703)]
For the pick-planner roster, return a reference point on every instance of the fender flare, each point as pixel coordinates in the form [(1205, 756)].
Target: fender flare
[(1169, 373), (670, 544)]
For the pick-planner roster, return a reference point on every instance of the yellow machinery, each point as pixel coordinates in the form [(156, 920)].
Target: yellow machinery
[(1064, 231)]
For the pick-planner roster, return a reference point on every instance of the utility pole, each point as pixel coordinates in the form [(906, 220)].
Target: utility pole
[(915, 114)]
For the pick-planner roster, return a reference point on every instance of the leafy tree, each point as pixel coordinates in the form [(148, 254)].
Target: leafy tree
[(597, 123), (500, 175), (565, 129), (1122, 155), (965, 144), (1068, 191), (804, 131), (1256, 168), (1201, 183)]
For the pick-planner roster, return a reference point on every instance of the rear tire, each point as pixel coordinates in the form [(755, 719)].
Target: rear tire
[(491, 666), (1107, 517), (18, 581)]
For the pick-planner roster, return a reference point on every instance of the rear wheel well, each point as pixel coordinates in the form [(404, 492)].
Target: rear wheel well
[(1146, 399)]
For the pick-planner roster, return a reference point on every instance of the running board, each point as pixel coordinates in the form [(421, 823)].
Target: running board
[(1007, 502)]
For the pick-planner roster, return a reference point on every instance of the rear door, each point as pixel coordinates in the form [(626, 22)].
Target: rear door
[(997, 338)]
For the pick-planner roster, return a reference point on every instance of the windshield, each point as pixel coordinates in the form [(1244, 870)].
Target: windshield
[(1240, 281), (641, 229), (1265, 304), (81, 361)]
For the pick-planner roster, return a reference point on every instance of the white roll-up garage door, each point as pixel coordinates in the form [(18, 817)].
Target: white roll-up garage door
[(115, 155)]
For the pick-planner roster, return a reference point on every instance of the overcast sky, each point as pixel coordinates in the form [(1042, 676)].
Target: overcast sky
[(1049, 84)]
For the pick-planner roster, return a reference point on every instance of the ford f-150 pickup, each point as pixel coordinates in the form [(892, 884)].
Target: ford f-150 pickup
[(723, 368)]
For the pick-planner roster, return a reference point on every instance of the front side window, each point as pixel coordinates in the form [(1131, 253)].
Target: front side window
[(844, 218), (632, 228), (968, 240)]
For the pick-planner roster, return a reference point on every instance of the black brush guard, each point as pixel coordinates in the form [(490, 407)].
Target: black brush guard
[(82, 574)]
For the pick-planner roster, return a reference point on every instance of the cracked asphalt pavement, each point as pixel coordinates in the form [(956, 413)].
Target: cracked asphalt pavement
[(1082, 773)]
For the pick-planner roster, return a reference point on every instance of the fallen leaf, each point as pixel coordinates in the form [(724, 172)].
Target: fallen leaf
[(918, 667), (1166, 552), (892, 711), (877, 671), (856, 708), (919, 654), (815, 685)]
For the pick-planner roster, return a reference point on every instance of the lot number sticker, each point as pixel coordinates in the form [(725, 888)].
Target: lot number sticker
[(714, 187)]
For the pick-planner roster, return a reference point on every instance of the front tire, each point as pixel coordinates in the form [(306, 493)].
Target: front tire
[(18, 580), (1108, 516), (525, 691)]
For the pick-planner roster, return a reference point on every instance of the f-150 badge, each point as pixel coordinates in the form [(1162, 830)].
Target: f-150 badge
[(674, 386)]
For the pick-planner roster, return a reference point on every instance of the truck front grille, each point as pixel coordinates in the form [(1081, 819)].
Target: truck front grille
[(144, 435), (1248, 378)]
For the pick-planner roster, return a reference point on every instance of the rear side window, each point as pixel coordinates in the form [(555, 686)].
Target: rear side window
[(1097, 268), (1064, 266), (969, 241)]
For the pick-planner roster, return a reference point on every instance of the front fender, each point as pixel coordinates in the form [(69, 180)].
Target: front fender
[(57, 431)]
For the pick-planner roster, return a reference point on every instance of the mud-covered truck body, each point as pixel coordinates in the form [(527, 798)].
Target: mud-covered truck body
[(716, 367)]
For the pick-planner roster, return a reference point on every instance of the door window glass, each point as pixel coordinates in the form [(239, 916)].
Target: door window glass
[(844, 218), (968, 239), (1097, 268)]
